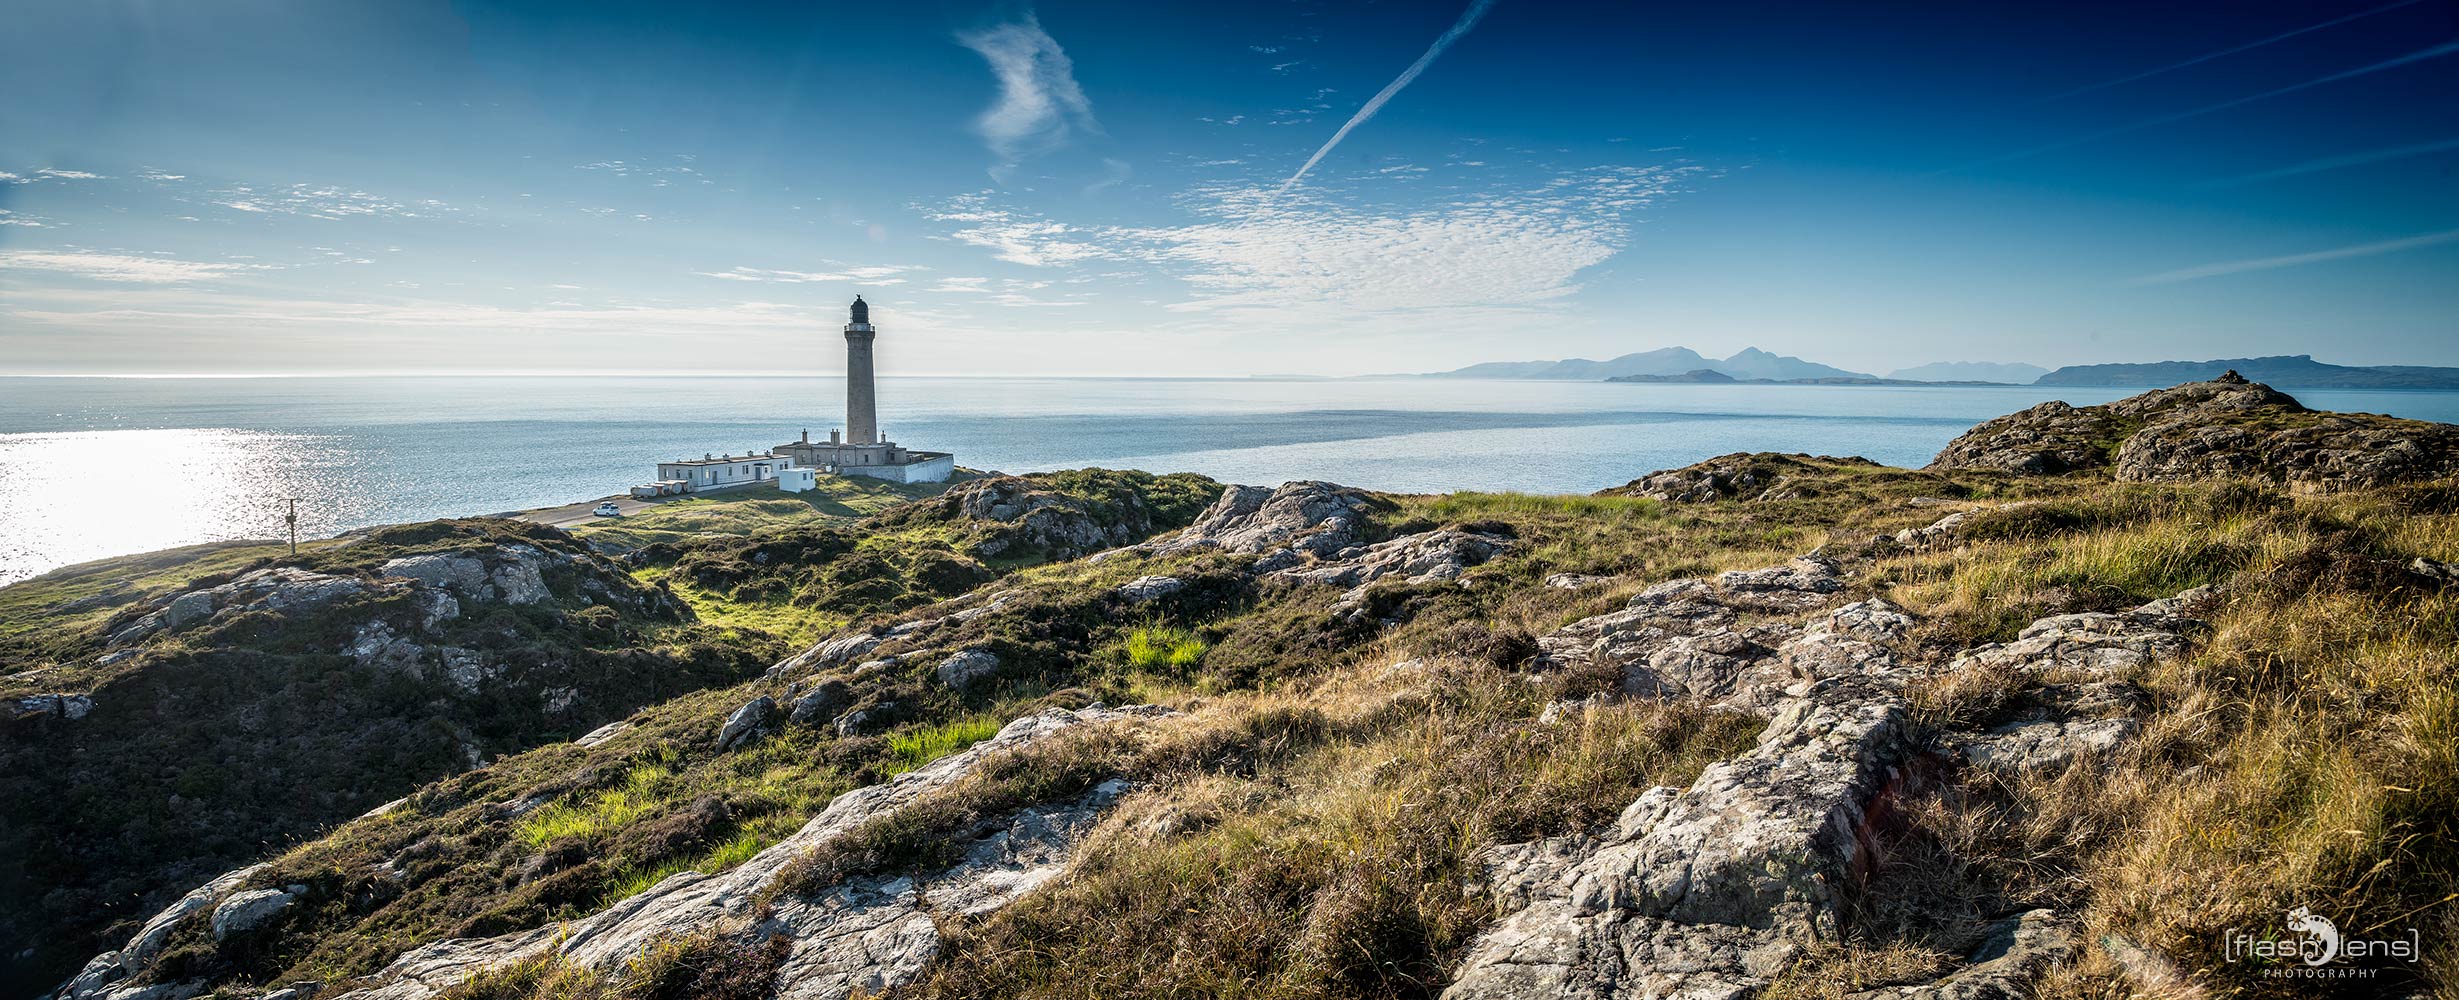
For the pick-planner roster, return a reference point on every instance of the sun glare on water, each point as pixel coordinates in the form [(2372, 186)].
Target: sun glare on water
[(78, 496)]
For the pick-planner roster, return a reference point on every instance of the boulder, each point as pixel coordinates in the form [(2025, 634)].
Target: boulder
[(243, 912), (754, 718), (820, 704), (961, 670), (1150, 588)]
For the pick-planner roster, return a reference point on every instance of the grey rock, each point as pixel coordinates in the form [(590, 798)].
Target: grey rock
[(604, 733), (752, 719), (1309, 516), (1150, 588), (2012, 955), (282, 589), (1576, 581), (2046, 745), (820, 704), (67, 706), (243, 912), (464, 575), (1425, 557), (112, 967), (961, 670)]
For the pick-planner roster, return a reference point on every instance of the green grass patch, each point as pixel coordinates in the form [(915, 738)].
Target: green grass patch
[(915, 747)]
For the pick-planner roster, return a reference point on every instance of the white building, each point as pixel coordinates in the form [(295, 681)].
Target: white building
[(717, 472)]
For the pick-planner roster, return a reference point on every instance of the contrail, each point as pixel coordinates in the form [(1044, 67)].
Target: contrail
[(1467, 21), (2292, 260), (2337, 162), (2209, 56), (2420, 55)]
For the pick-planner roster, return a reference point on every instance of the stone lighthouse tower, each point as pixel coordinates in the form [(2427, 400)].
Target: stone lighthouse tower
[(860, 450), (861, 399)]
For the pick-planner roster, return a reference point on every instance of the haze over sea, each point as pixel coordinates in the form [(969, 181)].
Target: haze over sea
[(96, 467)]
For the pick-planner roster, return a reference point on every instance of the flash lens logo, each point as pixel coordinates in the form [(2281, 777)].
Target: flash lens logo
[(2315, 942)]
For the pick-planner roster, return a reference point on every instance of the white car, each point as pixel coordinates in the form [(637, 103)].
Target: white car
[(608, 509)]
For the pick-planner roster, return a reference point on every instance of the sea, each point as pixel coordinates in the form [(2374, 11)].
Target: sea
[(98, 467)]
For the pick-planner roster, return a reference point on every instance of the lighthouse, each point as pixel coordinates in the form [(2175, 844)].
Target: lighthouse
[(859, 449), (861, 397)]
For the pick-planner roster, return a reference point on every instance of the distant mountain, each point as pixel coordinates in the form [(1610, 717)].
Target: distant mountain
[(2015, 373), (1749, 363), (2291, 371)]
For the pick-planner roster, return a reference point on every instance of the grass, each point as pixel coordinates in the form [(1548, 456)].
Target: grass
[(756, 510), (915, 747), (643, 787), (1311, 824), (1164, 646)]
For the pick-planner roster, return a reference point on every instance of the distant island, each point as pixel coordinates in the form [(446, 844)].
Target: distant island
[(1752, 366), (2298, 370), (1710, 376)]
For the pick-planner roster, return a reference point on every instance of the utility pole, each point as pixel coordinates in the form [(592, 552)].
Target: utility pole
[(292, 519)]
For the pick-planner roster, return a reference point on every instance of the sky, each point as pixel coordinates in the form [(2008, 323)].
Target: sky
[(1277, 187)]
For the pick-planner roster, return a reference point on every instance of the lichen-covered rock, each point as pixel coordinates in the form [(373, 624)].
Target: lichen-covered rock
[(2227, 427), (753, 718), (2094, 642), (2045, 745)]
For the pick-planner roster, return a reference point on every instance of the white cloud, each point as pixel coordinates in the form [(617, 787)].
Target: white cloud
[(161, 177), (1468, 19), (1040, 106), (324, 201), (119, 267), (68, 175)]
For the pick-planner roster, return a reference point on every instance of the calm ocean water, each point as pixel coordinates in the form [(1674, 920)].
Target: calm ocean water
[(98, 467)]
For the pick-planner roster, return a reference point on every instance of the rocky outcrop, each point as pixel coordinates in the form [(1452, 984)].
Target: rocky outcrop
[(1712, 890), (862, 935), (853, 645), (1425, 557), (280, 589), (106, 976), (1016, 516), (1320, 518), (2227, 427), (1740, 476), (514, 574)]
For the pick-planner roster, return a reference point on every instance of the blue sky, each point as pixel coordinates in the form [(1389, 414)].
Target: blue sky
[(1105, 188)]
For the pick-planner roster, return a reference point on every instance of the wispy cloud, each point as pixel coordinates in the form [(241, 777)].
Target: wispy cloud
[(884, 274), (2293, 260), (2339, 162), (69, 175), (2420, 55), (119, 267), (1039, 105), (1468, 19), (2222, 53), (1253, 248)]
